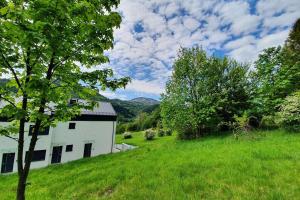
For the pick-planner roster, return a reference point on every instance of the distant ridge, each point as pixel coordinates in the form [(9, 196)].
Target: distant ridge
[(144, 100)]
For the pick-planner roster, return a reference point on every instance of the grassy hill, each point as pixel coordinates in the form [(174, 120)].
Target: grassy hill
[(262, 165)]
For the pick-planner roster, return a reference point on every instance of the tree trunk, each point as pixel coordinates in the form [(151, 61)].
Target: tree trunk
[(21, 181), (21, 188), (24, 172)]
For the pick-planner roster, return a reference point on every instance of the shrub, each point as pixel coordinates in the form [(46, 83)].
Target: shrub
[(131, 126), (127, 135), (289, 114), (168, 132), (149, 134), (121, 128), (160, 132), (268, 122), (244, 123), (186, 134)]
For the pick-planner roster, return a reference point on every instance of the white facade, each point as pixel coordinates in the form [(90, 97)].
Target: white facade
[(93, 134)]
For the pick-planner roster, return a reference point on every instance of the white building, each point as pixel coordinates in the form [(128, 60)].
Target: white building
[(90, 134)]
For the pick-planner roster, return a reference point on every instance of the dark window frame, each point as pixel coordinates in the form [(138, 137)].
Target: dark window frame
[(44, 132), (8, 161), (69, 148), (72, 102), (72, 125), (38, 155)]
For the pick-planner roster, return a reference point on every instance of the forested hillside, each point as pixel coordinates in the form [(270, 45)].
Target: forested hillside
[(128, 110)]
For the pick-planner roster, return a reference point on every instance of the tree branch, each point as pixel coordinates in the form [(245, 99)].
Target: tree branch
[(13, 72), (7, 100), (5, 135)]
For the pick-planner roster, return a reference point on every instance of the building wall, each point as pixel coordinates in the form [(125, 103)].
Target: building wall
[(100, 133)]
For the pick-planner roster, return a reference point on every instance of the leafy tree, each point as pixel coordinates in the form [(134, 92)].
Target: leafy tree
[(45, 49), (202, 92), (277, 74)]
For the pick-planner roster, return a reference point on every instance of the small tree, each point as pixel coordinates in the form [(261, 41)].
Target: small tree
[(202, 92), (46, 48)]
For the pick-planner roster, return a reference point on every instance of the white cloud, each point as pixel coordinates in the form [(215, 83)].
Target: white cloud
[(147, 56), (234, 44), (272, 40), (142, 86), (190, 23), (244, 53), (112, 95)]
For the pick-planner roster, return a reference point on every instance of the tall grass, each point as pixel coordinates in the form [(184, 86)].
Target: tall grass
[(263, 165)]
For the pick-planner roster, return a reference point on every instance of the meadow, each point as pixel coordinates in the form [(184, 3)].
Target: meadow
[(259, 165)]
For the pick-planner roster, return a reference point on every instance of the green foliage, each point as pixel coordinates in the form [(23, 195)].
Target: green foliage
[(142, 122), (276, 75), (150, 134), (121, 128), (160, 132), (269, 122), (44, 49), (242, 122), (168, 132), (127, 135), (131, 126), (202, 92), (129, 110), (289, 113)]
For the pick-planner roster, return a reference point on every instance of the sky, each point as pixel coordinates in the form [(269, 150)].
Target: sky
[(152, 32)]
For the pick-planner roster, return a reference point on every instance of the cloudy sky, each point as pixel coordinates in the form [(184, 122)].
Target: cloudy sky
[(152, 31)]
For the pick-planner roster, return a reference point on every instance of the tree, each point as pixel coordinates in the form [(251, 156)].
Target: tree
[(202, 92), (47, 49), (276, 75)]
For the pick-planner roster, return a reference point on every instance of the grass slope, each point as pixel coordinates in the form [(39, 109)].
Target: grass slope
[(263, 166)]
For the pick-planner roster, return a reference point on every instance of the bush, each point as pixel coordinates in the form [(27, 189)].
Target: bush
[(149, 134), (160, 132), (268, 122), (244, 123), (289, 114), (127, 135), (187, 133), (132, 126), (121, 128), (168, 132)]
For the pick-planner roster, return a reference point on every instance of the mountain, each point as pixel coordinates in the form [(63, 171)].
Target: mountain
[(144, 100), (128, 110)]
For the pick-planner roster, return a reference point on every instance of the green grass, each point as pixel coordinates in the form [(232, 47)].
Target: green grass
[(265, 165)]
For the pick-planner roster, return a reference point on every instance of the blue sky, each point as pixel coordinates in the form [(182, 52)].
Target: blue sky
[(152, 31)]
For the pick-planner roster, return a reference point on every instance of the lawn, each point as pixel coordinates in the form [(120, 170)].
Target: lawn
[(263, 165)]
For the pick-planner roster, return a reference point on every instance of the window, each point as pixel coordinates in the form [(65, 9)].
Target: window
[(72, 125), (73, 102), (69, 148), (43, 131), (39, 155), (8, 160)]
